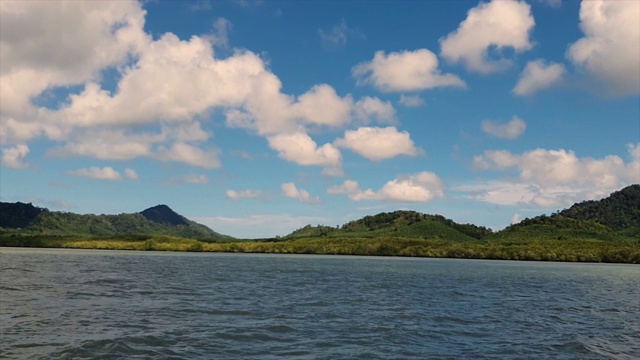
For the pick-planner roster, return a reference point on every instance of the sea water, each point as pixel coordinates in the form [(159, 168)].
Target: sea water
[(86, 304)]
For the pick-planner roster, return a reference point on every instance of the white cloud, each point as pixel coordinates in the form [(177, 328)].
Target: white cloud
[(299, 148), (553, 178), (377, 144), (538, 75), (191, 155), (411, 100), (244, 194), (490, 26), (105, 173), (107, 144), (188, 131), (609, 50), (421, 187), (322, 106), (339, 35), (167, 88), (404, 71), (511, 130), (290, 190), (369, 108), (13, 157), (131, 174), (49, 44)]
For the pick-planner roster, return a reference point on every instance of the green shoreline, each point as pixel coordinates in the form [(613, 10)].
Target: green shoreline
[(572, 250)]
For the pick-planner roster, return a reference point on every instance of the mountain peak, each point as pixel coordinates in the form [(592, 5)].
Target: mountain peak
[(164, 215)]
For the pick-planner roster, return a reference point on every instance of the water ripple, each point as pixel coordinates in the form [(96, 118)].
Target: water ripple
[(67, 305)]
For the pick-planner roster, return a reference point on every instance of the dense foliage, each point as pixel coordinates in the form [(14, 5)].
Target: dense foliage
[(620, 211), (397, 224), (583, 250), (162, 221), (18, 215), (162, 214)]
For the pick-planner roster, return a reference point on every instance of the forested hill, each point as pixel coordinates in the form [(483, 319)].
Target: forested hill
[(620, 211), (26, 219), (410, 224), (614, 218)]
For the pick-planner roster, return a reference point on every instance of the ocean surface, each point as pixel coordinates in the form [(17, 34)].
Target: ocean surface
[(86, 304)]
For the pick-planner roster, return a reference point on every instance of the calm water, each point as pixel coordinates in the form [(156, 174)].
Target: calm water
[(81, 304)]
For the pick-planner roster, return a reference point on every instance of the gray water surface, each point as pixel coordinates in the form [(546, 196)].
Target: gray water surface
[(85, 304)]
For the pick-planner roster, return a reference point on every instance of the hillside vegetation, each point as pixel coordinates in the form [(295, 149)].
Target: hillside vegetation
[(408, 224), (26, 219), (619, 212), (585, 232)]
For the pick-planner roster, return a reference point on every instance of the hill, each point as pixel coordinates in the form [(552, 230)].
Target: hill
[(614, 218), (26, 219), (407, 224), (620, 211)]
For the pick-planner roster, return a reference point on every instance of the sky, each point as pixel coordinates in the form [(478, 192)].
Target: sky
[(256, 118)]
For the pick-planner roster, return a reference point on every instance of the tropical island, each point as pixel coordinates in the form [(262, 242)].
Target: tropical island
[(606, 230)]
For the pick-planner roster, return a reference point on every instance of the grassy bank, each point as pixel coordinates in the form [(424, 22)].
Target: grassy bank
[(582, 250)]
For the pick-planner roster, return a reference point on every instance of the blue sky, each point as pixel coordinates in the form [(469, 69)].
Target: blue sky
[(259, 117)]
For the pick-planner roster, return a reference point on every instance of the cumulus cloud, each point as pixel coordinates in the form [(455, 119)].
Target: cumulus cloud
[(411, 100), (322, 106), (14, 157), (511, 130), (489, 27), (404, 71), (290, 190), (421, 187), (373, 109), (106, 145), (166, 87), (300, 148), (105, 173), (538, 75), (49, 44), (553, 178), (376, 143), (609, 50), (244, 194), (191, 155)]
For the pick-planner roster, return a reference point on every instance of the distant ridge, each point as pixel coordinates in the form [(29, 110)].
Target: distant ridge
[(26, 219)]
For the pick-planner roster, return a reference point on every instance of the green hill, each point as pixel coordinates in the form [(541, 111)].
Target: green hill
[(26, 219), (615, 218), (619, 212), (406, 224)]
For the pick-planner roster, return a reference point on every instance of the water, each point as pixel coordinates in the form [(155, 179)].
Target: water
[(84, 304)]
